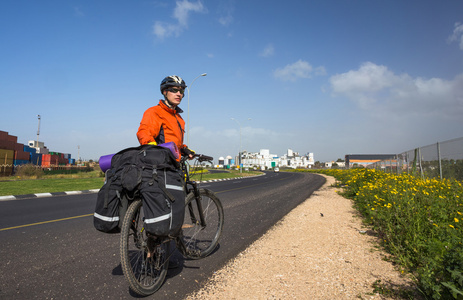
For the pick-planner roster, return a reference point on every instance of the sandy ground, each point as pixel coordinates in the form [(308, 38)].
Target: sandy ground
[(320, 250)]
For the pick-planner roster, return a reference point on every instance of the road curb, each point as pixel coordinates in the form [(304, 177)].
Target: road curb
[(41, 195), (225, 179)]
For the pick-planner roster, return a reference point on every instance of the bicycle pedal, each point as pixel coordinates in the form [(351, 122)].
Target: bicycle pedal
[(186, 226)]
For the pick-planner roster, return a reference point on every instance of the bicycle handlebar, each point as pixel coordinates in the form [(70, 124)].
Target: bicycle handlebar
[(202, 157), (199, 157)]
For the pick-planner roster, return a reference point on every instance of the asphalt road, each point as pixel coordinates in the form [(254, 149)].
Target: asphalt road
[(50, 249)]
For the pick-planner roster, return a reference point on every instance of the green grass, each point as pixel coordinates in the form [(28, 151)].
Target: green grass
[(81, 181), (49, 185)]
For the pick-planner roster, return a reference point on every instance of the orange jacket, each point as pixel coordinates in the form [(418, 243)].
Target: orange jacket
[(162, 125)]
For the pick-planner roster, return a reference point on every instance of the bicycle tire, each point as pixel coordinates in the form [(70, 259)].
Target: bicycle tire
[(201, 241), (144, 259)]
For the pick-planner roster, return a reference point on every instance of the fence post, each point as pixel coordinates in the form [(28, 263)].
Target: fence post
[(421, 167), (440, 162), (397, 164), (415, 159)]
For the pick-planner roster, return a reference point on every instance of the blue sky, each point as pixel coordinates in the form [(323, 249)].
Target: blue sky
[(328, 77)]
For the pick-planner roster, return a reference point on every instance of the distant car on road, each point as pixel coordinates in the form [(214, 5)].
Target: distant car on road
[(276, 169)]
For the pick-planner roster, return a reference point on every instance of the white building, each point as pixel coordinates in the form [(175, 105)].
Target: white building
[(267, 160)]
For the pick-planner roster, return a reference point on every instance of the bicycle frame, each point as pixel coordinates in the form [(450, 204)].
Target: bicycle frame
[(194, 187)]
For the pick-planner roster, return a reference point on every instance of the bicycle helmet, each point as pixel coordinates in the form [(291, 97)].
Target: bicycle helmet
[(171, 81)]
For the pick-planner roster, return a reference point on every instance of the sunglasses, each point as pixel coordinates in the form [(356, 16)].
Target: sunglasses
[(175, 91)]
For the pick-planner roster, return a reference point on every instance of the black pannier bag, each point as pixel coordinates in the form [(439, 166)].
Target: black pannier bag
[(163, 199), (149, 172), (106, 216)]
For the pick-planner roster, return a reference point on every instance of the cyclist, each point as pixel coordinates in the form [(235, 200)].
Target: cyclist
[(162, 123)]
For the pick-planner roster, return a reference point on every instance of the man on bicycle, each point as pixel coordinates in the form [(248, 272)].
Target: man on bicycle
[(162, 123)]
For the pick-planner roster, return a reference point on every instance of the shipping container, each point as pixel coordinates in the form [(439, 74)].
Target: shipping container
[(53, 159), (44, 150), (8, 141), (29, 149), (19, 162), (21, 155), (19, 147), (6, 157), (5, 144), (36, 159), (12, 138)]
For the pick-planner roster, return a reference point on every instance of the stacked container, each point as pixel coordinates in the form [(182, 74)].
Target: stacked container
[(53, 160), (13, 154), (34, 157), (8, 151)]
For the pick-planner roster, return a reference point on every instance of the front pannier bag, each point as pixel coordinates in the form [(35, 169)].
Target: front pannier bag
[(151, 173), (106, 216)]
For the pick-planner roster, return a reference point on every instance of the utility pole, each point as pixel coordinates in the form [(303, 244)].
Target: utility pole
[(38, 133), (239, 156)]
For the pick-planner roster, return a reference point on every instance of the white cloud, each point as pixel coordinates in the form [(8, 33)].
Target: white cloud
[(181, 14), (268, 51), (376, 89), (226, 9), (163, 30), (299, 69), (362, 84), (183, 9), (226, 20), (457, 35), (78, 12)]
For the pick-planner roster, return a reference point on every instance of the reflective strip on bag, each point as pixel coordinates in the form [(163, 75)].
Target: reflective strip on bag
[(107, 219), (157, 219), (174, 187)]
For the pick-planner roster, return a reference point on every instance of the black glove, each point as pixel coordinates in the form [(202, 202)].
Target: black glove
[(187, 152)]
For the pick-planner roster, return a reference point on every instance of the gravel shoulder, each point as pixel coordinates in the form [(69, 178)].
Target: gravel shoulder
[(320, 250)]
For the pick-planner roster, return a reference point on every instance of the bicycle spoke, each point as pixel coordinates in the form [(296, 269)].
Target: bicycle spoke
[(144, 259), (201, 238)]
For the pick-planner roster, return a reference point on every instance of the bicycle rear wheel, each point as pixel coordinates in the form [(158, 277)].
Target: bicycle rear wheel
[(202, 225), (144, 258)]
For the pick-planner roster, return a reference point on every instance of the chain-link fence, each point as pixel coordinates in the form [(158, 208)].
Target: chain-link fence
[(439, 160)]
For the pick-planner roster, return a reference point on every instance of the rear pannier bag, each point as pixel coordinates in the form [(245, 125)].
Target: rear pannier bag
[(151, 173), (163, 199)]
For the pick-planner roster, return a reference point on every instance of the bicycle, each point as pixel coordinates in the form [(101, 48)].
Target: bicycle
[(145, 258)]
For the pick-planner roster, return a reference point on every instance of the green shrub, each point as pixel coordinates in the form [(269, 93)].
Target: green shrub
[(29, 170)]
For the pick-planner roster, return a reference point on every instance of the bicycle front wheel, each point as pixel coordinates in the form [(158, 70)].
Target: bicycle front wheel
[(144, 258), (202, 225)]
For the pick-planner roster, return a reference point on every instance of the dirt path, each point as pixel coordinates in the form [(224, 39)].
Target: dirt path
[(318, 251)]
